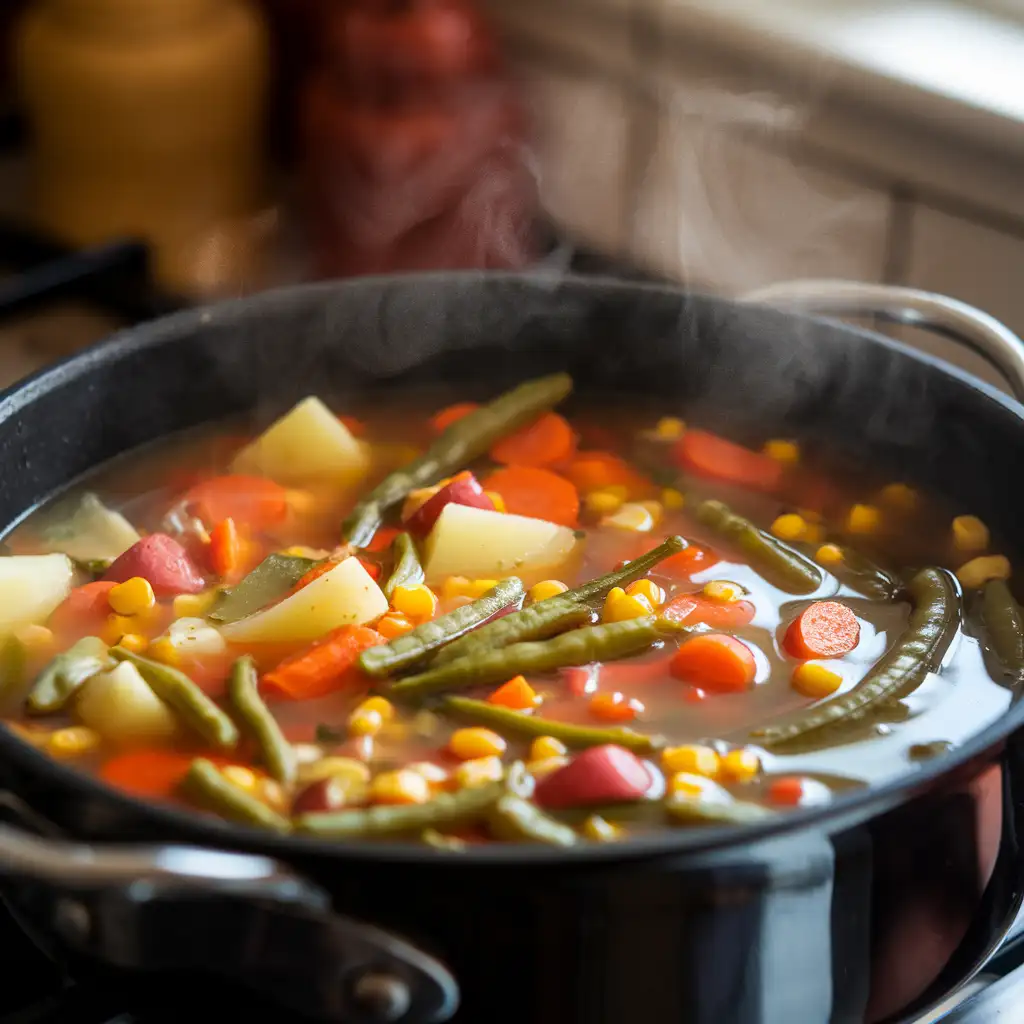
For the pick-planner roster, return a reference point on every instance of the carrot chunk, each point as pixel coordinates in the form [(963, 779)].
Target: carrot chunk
[(154, 773), (250, 500), (537, 493), (516, 694), (688, 609), (442, 420), (547, 441), (326, 666), (825, 629), (715, 662), (225, 548), (83, 612), (708, 455)]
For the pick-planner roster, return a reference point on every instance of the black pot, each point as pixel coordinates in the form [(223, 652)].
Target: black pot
[(866, 910)]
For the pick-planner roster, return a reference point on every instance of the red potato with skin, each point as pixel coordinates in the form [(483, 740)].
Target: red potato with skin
[(161, 560), (605, 774), (465, 489)]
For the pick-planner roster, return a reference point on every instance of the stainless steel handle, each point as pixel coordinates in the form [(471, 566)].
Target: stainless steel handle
[(246, 918), (951, 318)]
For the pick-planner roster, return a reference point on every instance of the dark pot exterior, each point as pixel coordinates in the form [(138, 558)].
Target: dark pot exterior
[(867, 911)]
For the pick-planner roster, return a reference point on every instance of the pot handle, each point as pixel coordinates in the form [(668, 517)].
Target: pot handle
[(951, 318), (245, 918)]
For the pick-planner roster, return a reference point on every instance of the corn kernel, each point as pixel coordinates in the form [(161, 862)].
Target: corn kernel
[(672, 499), (722, 590), (477, 588), (648, 589), (433, 773), (400, 787), (35, 639), (786, 452), (863, 519), (547, 588), (381, 705), (497, 501), (697, 760), (547, 746), (619, 606), (655, 509), (475, 742), (194, 606), (970, 534), (632, 516), (689, 784), (600, 830), (830, 554), (117, 626), (134, 642), (669, 428), (602, 503), (415, 602), (455, 586), (365, 723), (244, 778), (978, 571), (334, 768), (470, 774), (899, 497), (546, 765), (393, 625), (131, 597), (813, 680), (789, 526), (272, 793), (164, 651), (73, 741), (741, 765)]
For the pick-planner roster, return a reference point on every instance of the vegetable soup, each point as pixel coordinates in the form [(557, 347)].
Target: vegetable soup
[(521, 621)]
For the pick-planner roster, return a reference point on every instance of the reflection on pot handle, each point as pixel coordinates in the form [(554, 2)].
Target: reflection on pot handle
[(245, 917), (951, 318)]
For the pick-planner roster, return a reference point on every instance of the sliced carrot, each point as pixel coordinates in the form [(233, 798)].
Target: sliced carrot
[(314, 574), (326, 666), (787, 791), (593, 471), (516, 694), (614, 707), (825, 629), (687, 563), (252, 501), (83, 612), (548, 441), (537, 493), (225, 548), (708, 455), (382, 538), (153, 773), (356, 427), (442, 420), (715, 661), (690, 609)]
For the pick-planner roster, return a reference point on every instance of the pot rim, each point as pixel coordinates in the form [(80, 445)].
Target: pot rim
[(845, 810)]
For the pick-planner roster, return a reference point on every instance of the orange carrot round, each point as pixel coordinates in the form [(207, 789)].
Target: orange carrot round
[(537, 493), (595, 470), (688, 609), (711, 456), (252, 501), (442, 420), (715, 661), (547, 441), (825, 629), (225, 548)]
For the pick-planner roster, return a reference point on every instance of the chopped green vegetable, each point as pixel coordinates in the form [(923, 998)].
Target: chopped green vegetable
[(206, 786), (270, 580), (66, 675), (88, 531), (513, 819), (407, 570), (461, 443), (1004, 625), (275, 751)]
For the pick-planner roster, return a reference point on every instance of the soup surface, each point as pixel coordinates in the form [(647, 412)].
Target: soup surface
[(522, 621)]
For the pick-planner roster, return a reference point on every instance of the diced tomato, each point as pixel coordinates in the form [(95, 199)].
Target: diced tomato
[(382, 539), (689, 609), (605, 774), (161, 560), (463, 489), (581, 679)]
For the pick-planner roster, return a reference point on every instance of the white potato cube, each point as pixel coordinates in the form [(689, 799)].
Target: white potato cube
[(122, 707), (31, 586)]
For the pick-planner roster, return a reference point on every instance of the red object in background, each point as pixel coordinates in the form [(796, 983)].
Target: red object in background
[(412, 142)]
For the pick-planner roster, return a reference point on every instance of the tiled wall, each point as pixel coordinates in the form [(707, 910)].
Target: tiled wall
[(650, 155)]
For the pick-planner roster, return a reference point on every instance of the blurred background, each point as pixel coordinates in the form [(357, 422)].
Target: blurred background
[(158, 153)]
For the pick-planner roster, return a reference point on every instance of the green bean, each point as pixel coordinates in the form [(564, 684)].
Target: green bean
[(419, 642), (776, 562), (555, 614), (933, 622), (205, 786), (461, 443), (1004, 625), (449, 810), (513, 819), (860, 573), (66, 675), (439, 841), (529, 725), (271, 579), (193, 706), (275, 751), (693, 810), (604, 642), (407, 570)]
